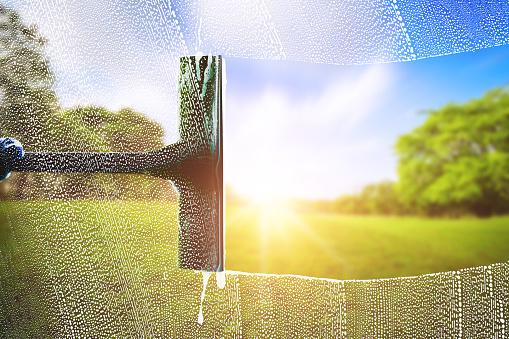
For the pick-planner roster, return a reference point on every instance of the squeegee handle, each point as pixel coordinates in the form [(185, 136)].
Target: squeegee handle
[(80, 162), (162, 163)]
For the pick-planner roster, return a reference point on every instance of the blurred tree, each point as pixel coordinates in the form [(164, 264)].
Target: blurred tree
[(459, 158), (30, 112), (26, 82), (380, 198), (102, 130)]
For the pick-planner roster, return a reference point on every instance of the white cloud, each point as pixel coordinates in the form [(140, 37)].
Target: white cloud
[(306, 146), (353, 100)]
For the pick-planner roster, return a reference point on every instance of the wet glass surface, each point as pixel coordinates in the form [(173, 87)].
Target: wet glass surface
[(96, 255)]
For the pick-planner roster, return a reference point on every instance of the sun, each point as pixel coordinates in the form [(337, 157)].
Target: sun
[(264, 200), (264, 195), (274, 221), (262, 189)]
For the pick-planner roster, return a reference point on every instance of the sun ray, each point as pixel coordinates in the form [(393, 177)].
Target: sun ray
[(278, 222), (304, 227)]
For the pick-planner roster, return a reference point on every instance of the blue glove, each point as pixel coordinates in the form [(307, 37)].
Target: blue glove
[(10, 149)]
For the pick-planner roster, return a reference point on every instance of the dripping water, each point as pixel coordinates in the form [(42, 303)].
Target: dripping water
[(221, 279), (206, 276)]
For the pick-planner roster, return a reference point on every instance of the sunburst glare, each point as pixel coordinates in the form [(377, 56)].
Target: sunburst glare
[(276, 230)]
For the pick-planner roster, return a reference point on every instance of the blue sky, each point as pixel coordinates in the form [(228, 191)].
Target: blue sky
[(277, 143)]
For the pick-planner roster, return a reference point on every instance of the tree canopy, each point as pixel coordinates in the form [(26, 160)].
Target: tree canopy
[(455, 163), (458, 159)]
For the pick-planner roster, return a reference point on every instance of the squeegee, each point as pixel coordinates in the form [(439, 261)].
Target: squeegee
[(194, 164)]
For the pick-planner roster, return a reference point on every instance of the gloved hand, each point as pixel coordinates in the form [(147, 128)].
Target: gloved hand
[(10, 149)]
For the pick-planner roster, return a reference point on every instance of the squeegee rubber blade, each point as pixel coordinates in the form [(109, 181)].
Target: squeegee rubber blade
[(200, 184)]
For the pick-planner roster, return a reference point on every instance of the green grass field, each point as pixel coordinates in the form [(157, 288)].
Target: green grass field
[(113, 265), (274, 239), (359, 247)]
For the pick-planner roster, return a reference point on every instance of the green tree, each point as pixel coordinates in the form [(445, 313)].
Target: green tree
[(458, 159), (102, 130), (27, 97), (381, 198), (97, 129)]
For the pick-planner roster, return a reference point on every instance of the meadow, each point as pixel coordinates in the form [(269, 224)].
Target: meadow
[(109, 268), (271, 238), (275, 239)]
